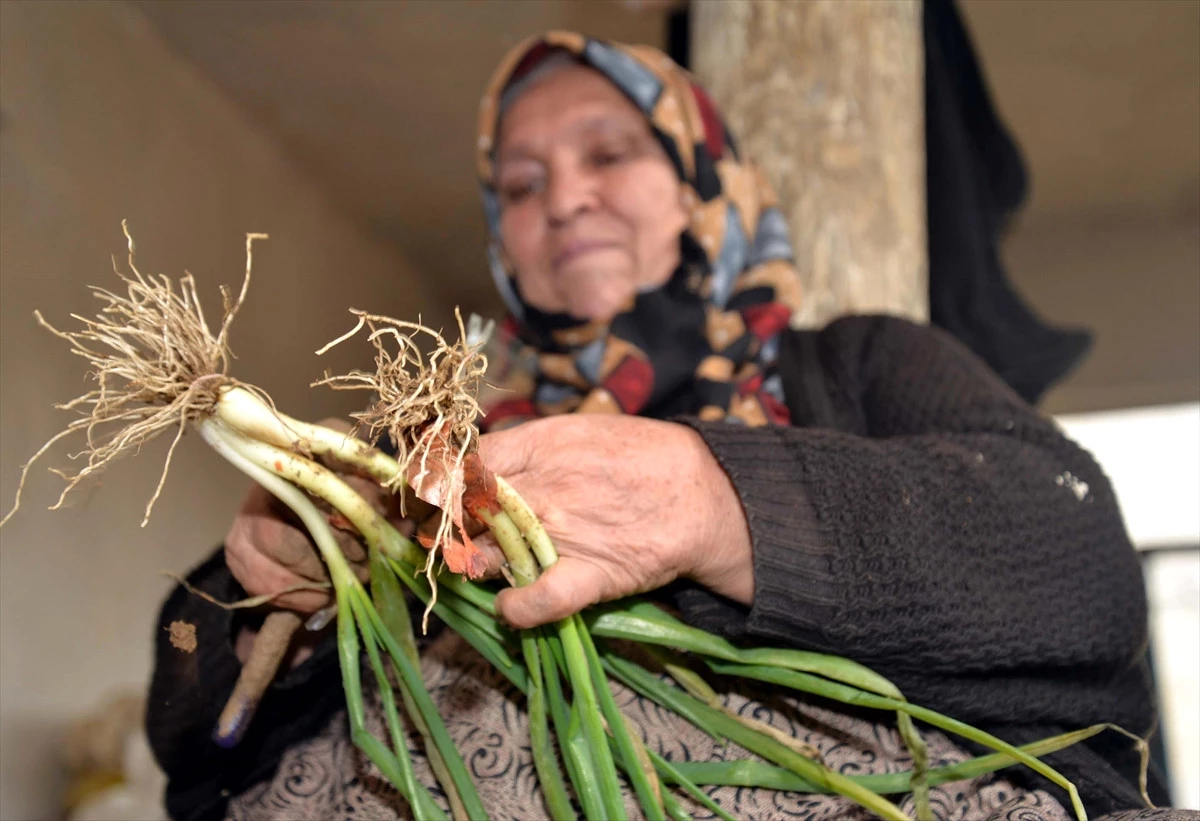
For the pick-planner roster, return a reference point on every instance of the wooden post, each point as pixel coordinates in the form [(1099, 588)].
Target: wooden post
[(827, 97)]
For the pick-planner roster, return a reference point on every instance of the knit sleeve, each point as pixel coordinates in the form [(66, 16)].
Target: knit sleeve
[(194, 673), (939, 530)]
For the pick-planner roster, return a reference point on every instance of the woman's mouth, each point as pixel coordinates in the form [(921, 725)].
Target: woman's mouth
[(577, 248)]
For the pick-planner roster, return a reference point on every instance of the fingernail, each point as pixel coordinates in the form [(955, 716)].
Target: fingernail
[(233, 721), (318, 620)]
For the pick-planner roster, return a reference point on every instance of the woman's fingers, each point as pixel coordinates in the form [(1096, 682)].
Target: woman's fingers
[(268, 554), (261, 527), (563, 590), (641, 500), (261, 576), (487, 543)]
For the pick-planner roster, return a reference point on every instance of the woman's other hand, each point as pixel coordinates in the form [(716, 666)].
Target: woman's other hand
[(630, 503), (269, 551)]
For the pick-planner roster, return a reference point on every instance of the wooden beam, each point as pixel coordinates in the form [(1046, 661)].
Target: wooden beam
[(827, 97)]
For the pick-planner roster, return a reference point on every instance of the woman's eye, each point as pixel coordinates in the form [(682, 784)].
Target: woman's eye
[(606, 157), (518, 190)]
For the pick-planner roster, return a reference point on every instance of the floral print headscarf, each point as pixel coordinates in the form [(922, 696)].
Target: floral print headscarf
[(706, 342)]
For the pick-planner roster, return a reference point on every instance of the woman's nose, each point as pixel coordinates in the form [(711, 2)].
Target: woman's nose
[(569, 192)]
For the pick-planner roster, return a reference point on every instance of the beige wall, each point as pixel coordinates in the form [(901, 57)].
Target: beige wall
[(1104, 100), (101, 122), (376, 98), (1134, 280)]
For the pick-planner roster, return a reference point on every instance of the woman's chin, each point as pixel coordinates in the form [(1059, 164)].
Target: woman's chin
[(599, 308)]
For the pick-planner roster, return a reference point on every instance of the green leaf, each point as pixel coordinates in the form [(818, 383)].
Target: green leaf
[(757, 774), (410, 678), (584, 778), (718, 722), (669, 770), (585, 701), (388, 596), (544, 761), (848, 695), (647, 791), (374, 749), (419, 798), (483, 641), (563, 717), (640, 621)]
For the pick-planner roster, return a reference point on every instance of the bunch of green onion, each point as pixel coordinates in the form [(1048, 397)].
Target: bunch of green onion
[(583, 746)]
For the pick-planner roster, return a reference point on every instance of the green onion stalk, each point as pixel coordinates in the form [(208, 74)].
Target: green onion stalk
[(444, 435), (160, 368)]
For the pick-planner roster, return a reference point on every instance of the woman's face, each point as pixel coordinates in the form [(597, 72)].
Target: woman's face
[(592, 210)]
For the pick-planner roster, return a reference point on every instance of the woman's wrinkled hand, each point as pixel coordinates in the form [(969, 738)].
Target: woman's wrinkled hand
[(269, 551), (630, 503)]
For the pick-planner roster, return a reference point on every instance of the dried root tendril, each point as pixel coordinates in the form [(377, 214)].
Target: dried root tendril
[(428, 404), (251, 601), (157, 365)]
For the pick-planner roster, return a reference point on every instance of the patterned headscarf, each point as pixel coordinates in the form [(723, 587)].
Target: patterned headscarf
[(706, 342)]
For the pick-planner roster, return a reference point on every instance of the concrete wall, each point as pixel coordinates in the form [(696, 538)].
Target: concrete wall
[(100, 121)]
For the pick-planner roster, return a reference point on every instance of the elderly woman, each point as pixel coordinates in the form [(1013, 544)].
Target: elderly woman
[(869, 489)]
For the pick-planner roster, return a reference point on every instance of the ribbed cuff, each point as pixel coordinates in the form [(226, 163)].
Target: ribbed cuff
[(794, 590)]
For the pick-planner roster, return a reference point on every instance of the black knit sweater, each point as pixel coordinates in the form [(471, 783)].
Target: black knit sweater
[(919, 518)]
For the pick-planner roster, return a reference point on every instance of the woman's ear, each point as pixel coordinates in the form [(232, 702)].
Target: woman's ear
[(687, 198), (687, 202)]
